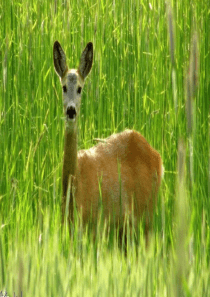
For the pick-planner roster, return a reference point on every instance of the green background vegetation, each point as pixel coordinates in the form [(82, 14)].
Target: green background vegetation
[(130, 86)]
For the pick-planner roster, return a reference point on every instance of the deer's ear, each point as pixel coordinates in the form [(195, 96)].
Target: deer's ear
[(59, 59), (86, 60)]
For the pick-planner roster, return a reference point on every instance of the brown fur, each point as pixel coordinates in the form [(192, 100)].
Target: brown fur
[(130, 173)]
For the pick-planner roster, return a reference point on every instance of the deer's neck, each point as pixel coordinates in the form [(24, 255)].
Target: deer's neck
[(70, 157)]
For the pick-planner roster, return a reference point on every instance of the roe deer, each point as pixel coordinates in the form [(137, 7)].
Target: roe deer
[(94, 173)]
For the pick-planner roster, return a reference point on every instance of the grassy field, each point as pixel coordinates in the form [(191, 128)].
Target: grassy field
[(131, 86)]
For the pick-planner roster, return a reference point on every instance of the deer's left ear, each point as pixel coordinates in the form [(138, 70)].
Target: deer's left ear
[(59, 59), (86, 60)]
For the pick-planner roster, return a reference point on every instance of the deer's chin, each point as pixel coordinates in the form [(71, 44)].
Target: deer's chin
[(71, 125)]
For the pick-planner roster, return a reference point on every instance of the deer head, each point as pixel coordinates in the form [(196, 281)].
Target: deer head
[(72, 81)]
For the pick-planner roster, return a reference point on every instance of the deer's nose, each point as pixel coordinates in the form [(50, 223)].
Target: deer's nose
[(71, 112)]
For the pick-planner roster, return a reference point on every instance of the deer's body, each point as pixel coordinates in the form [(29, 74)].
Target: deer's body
[(121, 176)]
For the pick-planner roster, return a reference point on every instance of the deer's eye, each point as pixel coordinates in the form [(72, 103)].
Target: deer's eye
[(79, 90), (64, 89)]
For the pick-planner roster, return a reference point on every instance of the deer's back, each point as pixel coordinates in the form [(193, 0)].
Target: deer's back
[(120, 175)]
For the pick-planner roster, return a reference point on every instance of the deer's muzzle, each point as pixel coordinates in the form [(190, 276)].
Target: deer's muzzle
[(71, 112)]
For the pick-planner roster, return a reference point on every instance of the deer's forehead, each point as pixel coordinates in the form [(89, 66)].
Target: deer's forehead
[(72, 77)]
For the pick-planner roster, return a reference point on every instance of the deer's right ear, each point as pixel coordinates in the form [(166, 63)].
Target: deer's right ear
[(59, 59)]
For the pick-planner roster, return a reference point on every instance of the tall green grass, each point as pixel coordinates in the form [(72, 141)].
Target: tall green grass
[(130, 86)]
